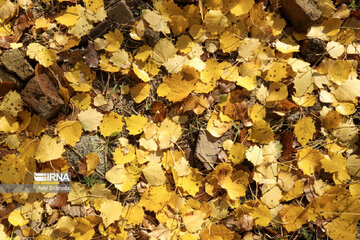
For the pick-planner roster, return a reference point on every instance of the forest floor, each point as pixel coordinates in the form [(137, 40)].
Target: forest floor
[(179, 119)]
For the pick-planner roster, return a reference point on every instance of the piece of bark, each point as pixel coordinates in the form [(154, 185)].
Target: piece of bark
[(301, 13), (41, 95)]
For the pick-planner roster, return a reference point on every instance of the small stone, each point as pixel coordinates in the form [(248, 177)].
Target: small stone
[(313, 50), (119, 12), (87, 144), (15, 62), (41, 95), (301, 13), (151, 37), (8, 82), (208, 148)]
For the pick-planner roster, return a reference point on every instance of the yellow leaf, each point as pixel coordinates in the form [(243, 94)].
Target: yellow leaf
[(106, 65), (306, 100), (78, 193), (190, 183), (133, 214), (111, 123), (304, 83), (124, 178), (12, 141), (140, 73), (42, 23), (345, 108), (66, 224), (340, 71), (155, 198), (178, 24), (82, 25), (135, 124), (140, 92), (255, 155), (215, 21), (168, 133), (83, 229), (261, 132), (70, 131), (287, 46), (68, 17), (229, 42), (81, 100), (257, 112), (332, 120), (277, 72), (248, 83), (107, 212), (309, 160), (92, 160), (16, 219), (194, 221), (124, 154), (348, 91), (24, 4), (80, 77), (293, 217), (8, 125), (46, 57), (175, 88), (216, 126), (7, 9), (143, 53), (242, 7), (154, 174), (295, 191), (37, 125), (277, 92), (49, 149), (3, 234), (272, 197), (94, 5), (212, 71), (99, 100), (217, 232), (336, 162), (182, 167), (235, 189), (12, 104), (341, 228), (13, 169), (33, 49), (237, 153), (114, 39), (163, 50), (90, 119), (261, 214), (120, 58), (304, 130)]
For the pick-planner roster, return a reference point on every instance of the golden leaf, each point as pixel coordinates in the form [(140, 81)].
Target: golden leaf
[(111, 124), (304, 130)]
